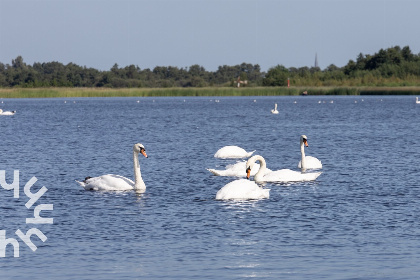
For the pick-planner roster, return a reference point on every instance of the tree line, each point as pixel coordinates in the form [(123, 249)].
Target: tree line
[(390, 67)]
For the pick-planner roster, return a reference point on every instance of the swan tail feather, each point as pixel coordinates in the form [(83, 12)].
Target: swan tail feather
[(83, 184), (250, 153), (214, 172)]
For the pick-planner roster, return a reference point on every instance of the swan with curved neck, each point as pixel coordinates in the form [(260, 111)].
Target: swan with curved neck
[(307, 162), (111, 182), (282, 175), (274, 111)]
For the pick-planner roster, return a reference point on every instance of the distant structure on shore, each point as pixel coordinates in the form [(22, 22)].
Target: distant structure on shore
[(316, 61), (239, 82)]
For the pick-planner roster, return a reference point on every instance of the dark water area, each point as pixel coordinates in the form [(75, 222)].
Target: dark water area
[(359, 220)]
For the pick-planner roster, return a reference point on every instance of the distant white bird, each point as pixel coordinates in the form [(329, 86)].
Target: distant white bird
[(242, 189), (232, 152), (274, 111), (417, 100), (7, 113)]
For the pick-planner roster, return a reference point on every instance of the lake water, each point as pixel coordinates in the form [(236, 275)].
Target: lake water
[(359, 220)]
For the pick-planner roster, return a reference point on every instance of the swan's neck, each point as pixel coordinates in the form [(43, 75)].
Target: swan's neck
[(138, 181), (263, 166), (303, 160)]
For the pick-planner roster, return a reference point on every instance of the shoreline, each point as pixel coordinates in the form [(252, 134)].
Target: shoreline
[(207, 91)]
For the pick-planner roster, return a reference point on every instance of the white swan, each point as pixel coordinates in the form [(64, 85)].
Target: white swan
[(417, 100), (274, 111), (112, 182), (7, 113), (237, 170), (232, 152), (307, 162), (282, 175), (242, 189)]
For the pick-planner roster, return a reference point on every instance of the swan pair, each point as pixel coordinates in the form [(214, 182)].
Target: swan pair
[(286, 175), (7, 113), (282, 175), (111, 182)]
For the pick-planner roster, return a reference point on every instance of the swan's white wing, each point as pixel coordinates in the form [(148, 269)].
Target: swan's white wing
[(311, 163), (232, 152), (108, 182), (287, 175), (236, 170), (242, 189)]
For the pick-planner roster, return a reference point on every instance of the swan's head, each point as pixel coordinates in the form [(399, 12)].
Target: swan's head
[(249, 164), (139, 148), (248, 172), (304, 140)]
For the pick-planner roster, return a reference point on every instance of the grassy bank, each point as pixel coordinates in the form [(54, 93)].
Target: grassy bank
[(222, 91)]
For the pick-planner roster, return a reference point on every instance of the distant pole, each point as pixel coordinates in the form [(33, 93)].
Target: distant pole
[(288, 82), (316, 60)]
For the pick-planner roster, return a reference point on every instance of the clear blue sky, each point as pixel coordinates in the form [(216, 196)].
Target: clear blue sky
[(209, 33)]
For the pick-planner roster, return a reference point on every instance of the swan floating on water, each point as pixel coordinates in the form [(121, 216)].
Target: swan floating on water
[(111, 182), (237, 170), (307, 162), (417, 100), (282, 175), (7, 113), (242, 189), (232, 152), (274, 111)]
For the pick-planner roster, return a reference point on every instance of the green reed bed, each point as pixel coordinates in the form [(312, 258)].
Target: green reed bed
[(214, 91)]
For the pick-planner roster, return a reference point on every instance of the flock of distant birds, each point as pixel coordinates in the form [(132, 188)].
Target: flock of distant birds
[(273, 111)]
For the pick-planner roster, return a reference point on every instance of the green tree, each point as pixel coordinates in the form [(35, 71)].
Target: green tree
[(276, 76)]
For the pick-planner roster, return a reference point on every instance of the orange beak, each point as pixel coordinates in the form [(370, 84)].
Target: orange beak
[(143, 152), (248, 172), (305, 142)]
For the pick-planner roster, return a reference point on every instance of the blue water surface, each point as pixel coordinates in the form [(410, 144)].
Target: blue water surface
[(359, 220)]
